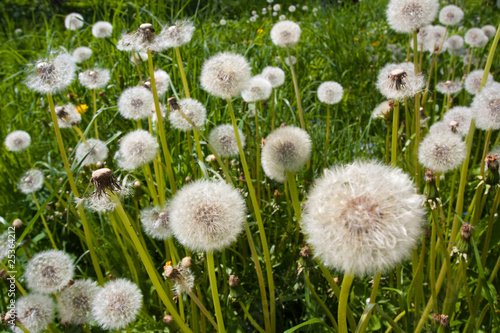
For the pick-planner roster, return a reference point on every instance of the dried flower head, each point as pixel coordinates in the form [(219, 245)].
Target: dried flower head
[(489, 31), (410, 15), (330, 92), (207, 215), (142, 39), (285, 33), (17, 141), (117, 304), (67, 116), (103, 181), (223, 140), (182, 277), (274, 75), (136, 149), (486, 108), (156, 222), (473, 81), (191, 108), (31, 181), (102, 29), (383, 110), (449, 87), (286, 149), (135, 103), (81, 54), (475, 37), (49, 271), (51, 76), (104, 203), (96, 78), (258, 89), (176, 35), (225, 75), (451, 15), (73, 21), (363, 217), (35, 312), (458, 119), (75, 302), (454, 42), (397, 81), (441, 151), (91, 152)]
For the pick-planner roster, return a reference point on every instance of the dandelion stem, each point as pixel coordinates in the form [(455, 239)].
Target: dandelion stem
[(344, 296), (273, 102), (327, 135), (149, 180), (395, 125), (215, 292), (202, 308), (297, 92), (250, 318), (95, 112), (80, 134), (44, 222), (181, 69), (319, 300)]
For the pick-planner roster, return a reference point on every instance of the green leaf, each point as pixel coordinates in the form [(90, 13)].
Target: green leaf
[(309, 322)]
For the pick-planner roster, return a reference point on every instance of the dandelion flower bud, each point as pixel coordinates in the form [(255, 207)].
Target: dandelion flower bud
[(258, 89), (142, 39), (137, 148), (225, 75), (285, 33), (102, 29), (75, 302), (449, 87), (49, 271), (454, 42), (156, 222), (92, 152), (441, 151), (117, 304), (73, 21), (363, 218), (383, 110), (473, 81), (286, 149), (207, 215), (95, 78), (451, 15), (135, 103), (191, 108), (274, 75), (223, 140), (397, 81), (489, 31), (330, 92), (31, 181), (486, 108), (48, 77), (475, 37), (67, 116), (35, 312), (176, 35), (409, 15), (458, 119), (17, 141), (81, 54)]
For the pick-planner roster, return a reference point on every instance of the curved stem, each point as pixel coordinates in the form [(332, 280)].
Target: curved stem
[(202, 308), (215, 292), (320, 301)]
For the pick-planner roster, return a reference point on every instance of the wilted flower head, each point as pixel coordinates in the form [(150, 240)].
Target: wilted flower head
[(410, 15), (286, 149), (454, 42), (330, 92), (397, 81), (49, 271), (104, 181), (73, 21), (207, 215), (31, 181), (449, 87), (383, 110), (136, 149), (91, 152), (225, 75), (17, 141), (156, 222), (182, 277), (82, 53), (223, 140), (135, 103), (486, 108), (102, 29), (451, 15), (274, 75), (51, 76), (104, 203), (363, 218), (67, 116), (441, 151), (475, 37), (117, 304), (458, 119), (142, 39), (258, 89), (191, 108), (35, 312), (473, 81), (489, 31), (162, 82), (176, 35), (75, 302), (285, 33), (96, 78)]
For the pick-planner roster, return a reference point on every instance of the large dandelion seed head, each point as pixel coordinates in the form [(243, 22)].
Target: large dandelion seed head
[(398, 81), (137, 148), (451, 15), (274, 75), (102, 29), (441, 151), (156, 222), (207, 215), (49, 271), (17, 141), (176, 35), (192, 109), (489, 31), (435, 39), (135, 103), (473, 81), (449, 87), (363, 218), (96, 78), (475, 37), (73, 21), (31, 181), (454, 42), (35, 312), (223, 140), (486, 108), (91, 152), (409, 15), (81, 54), (67, 116), (51, 76), (330, 92), (75, 302), (258, 89), (285, 33), (458, 119)]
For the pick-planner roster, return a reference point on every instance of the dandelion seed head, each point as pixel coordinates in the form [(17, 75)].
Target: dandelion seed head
[(162, 81), (397, 81), (454, 42), (102, 29), (186, 283), (473, 81), (451, 15), (292, 8), (49, 271), (223, 140), (285, 33), (92, 152), (142, 39), (275, 75), (486, 108), (475, 37), (449, 87), (73, 21), (177, 35), (67, 116), (81, 54), (441, 151), (382, 110), (258, 89), (330, 92), (277, 7), (489, 31), (156, 222), (35, 312), (51, 76), (137, 148), (31, 181), (409, 15), (435, 39), (135, 103), (192, 109), (96, 78), (17, 141), (458, 119), (75, 302)]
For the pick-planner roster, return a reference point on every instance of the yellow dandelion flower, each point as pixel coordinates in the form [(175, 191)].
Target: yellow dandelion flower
[(260, 31), (375, 43), (82, 108), (356, 39)]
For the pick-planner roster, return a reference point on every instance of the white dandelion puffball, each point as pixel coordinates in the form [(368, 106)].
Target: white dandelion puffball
[(17, 141), (102, 29), (223, 140), (135, 103), (75, 302), (162, 81), (163, 112), (489, 31), (96, 78), (81, 54), (275, 76), (91, 152), (486, 108), (192, 109), (397, 81), (330, 92), (176, 35), (441, 151), (290, 61), (117, 304), (67, 116), (51, 76), (435, 39), (409, 15), (49, 271), (277, 7), (292, 8), (142, 39), (258, 89), (207, 215), (137, 148), (473, 81), (285, 33), (73, 21), (156, 222), (363, 218), (476, 37), (423, 38), (225, 75), (5, 245), (440, 127), (458, 119), (451, 15), (454, 42), (286, 149), (31, 181), (35, 312), (382, 110), (449, 87)]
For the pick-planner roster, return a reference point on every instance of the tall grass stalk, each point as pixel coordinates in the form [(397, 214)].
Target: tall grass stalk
[(297, 91)]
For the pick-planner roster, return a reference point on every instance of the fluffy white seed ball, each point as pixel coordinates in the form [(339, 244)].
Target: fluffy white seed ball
[(49, 271), (75, 302), (451, 15), (473, 81), (137, 148), (330, 92), (35, 312), (135, 103), (73, 21), (476, 37), (441, 151), (156, 222), (102, 29), (285, 33), (96, 78), (51, 76), (67, 116), (31, 181), (458, 119), (223, 140), (192, 109), (82, 53), (397, 81), (176, 35), (91, 152), (489, 31), (17, 141), (486, 108), (258, 89), (409, 15), (274, 75)]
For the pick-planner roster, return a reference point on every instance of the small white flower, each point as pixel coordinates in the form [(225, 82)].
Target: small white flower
[(285, 33), (17, 141), (73, 21)]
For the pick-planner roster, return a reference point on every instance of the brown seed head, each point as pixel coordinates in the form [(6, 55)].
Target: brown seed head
[(492, 161), (445, 320), (173, 103), (186, 262), (429, 176), (17, 223), (234, 281), (436, 318), (305, 252), (103, 179), (397, 77), (466, 230)]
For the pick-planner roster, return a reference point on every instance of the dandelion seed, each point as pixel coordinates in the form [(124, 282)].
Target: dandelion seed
[(489, 31), (75, 302), (473, 81), (274, 75), (449, 87), (49, 271), (410, 15), (96, 78), (191, 108), (73, 21), (35, 312), (31, 181), (258, 89), (17, 141), (285, 34), (397, 81), (156, 222), (135, 103), (486, 108), (51, 76), (176, 35), (81, 54), (67, 116), (223, 140), (137, 148), (102, 29), (92, 152), (475, 37), (451, 15), (441, 151), (330, 92)]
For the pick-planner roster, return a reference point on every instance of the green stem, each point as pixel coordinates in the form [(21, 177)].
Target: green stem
[(95, 112), (297, 92), (395, 125), (215, 292), (44, 222), (202, 308), (320, 301), (373, 296), (250, 318), (327, 135), (344, 296), (183, 74), (257, 151)]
